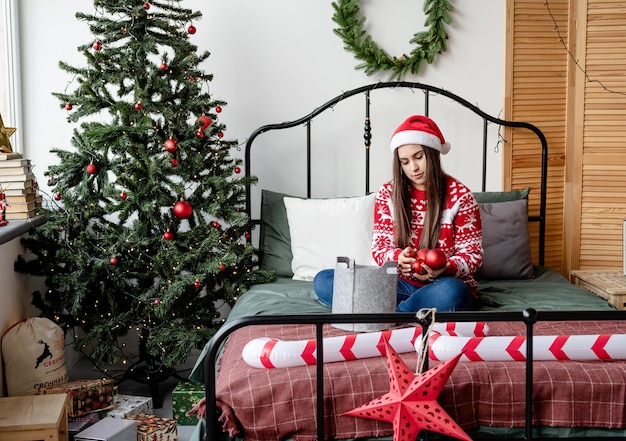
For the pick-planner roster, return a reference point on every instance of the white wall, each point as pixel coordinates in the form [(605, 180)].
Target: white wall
[(276, 60)]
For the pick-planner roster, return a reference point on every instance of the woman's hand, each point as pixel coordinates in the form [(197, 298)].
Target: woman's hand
[(405, 261), (430, 274)]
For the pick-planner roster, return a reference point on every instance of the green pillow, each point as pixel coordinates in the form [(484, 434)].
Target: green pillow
[(275, 240), (501, 196)]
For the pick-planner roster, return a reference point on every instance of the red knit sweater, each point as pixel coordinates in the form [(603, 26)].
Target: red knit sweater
[(461, 231)]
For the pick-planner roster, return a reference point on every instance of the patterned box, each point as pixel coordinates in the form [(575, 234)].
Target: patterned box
[(85, 395), (154, 428), (130, 405), (184, 397)]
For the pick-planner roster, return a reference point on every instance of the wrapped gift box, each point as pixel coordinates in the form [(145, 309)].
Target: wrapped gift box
[(130, 405), (184, 397), (86, 396), (152, 427), (80, 423), (109, 429)]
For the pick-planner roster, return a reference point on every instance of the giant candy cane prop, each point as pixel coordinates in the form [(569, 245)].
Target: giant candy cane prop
[(545, 347), (273, 353)]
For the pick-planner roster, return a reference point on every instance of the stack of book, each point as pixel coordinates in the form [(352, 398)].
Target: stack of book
[(19, 185)]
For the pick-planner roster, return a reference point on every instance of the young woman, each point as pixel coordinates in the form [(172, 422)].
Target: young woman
[(423, 208)]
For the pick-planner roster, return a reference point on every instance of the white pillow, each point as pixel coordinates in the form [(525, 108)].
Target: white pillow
[(323, 229)]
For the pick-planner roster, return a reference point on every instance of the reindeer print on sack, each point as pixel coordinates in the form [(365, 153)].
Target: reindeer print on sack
[(45, 354)]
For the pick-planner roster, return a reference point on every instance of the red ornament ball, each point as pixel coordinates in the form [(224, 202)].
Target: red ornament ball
[(168, 235), (57, 196), (248, 236), (191, 29), (91, 169), (113, 260), (123, 195), (218, 109), (157, 301), (197, 284), (216, 224), (171, 145), (205, 121), (68, 106), (435, 258), (237, 170), (97, 45), (138, 106), (200, 134), (146, 6), (164, 67), (174, 162), (222, 267), (182, 209), (220, 134)]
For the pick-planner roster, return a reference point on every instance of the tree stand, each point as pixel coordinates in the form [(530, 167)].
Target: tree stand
[(151, 371)]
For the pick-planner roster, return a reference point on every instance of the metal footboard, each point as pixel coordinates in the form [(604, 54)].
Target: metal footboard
[(528, 316)]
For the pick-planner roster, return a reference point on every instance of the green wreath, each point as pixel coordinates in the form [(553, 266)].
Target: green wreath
[(427, 44)]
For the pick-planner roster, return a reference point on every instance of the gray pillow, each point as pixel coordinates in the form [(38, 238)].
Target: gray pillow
[(506, 240)]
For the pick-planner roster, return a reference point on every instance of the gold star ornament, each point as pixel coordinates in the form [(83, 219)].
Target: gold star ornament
[(5, 132)]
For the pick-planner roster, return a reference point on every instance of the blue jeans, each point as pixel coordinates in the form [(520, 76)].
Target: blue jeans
[(445, 293)]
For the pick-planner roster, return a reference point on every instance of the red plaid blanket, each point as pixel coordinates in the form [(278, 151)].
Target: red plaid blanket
[(277, 404)]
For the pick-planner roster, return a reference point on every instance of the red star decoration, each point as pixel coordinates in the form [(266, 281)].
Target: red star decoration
[(411, 403)]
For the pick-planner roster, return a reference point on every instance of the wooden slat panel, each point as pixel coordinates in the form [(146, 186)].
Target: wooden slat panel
[(535, 87)]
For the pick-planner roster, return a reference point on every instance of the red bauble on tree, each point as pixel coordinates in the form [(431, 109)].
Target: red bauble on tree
[(191, 29), (113, 260), (182, 209), (171, 145), (68, 106), (174, 162), (197, 284), (164, 67), (138, 106), (123, 195), (92, 169), (168, 235), (97, 45)]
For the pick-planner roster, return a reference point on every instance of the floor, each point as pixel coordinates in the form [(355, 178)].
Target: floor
[(82, 369)]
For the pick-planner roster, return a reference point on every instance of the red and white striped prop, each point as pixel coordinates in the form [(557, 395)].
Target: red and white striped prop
[(272, 353), (545, 347)]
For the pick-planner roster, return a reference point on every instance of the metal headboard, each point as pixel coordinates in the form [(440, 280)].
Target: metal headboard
[(367, 137)]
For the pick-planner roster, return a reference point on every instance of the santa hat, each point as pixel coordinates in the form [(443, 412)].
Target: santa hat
[(420, 130)]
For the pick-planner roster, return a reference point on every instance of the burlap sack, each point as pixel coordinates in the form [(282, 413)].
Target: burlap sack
[(364, 289), (34, 356)]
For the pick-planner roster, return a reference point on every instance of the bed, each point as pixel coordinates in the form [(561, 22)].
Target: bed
[(519, 297)]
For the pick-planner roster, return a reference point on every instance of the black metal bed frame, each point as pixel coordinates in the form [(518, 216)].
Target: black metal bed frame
[(528, 316)]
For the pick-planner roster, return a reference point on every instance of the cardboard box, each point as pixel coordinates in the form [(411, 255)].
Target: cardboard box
[(130, 405), (109, 429), (152, 427), (184, 396), (77, 424), (86, 396)]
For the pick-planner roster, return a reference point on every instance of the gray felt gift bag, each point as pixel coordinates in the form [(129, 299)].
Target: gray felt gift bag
[(364, 289)]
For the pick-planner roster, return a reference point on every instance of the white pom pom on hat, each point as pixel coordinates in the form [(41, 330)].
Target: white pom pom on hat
[(422, 130)]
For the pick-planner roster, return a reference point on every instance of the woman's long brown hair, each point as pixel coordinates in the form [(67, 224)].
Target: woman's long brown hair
[(435, 194)]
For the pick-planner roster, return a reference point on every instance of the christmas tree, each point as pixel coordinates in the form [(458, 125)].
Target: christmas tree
[(146, 229)]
